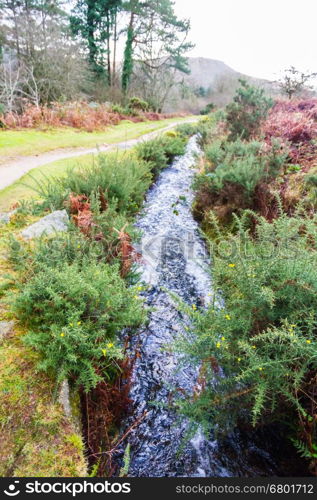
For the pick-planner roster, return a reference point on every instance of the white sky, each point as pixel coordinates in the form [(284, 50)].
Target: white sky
[(257, 37)]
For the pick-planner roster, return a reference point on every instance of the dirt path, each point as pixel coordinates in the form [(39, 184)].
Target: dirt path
[(15, 169)]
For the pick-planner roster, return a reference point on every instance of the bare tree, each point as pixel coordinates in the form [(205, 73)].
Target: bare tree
[(294, 82)]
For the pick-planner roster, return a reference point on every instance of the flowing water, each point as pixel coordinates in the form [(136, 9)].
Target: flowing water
[(174, 259)]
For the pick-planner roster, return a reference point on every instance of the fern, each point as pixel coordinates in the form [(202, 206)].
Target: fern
[(126, 462)]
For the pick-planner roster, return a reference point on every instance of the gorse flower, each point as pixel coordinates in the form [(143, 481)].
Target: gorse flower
[(231, 266)]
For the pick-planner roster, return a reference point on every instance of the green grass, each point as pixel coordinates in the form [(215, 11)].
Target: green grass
[(23, 188), (15, 143)]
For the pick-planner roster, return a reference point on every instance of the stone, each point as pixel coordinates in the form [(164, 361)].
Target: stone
[(5, 328), (55, 222), (64, 398), (6, 217)]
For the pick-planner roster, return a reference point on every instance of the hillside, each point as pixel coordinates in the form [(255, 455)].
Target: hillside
[(210, 80)]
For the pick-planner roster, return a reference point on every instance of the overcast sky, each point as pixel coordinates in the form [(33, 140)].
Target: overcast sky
[(256, 37)]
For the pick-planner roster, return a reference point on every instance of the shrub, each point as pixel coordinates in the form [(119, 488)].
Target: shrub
[(186, 129), (122, 179), (139, 104), (257, 353), (233, 173), (74, 314), (208, 109), (160, 151), (247, 111), (79, 115)]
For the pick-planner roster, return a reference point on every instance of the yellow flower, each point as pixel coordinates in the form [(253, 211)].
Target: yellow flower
[(231, 265), (62, 334), (261, 369), (104, 352), (79, 323), (218, 345), (223, 338), (239, 359), (228, 317), (78, 246), (109, 346), (139, 288), (194, 307), (308, 341), (136, 297), (71, 324), (254, 347)]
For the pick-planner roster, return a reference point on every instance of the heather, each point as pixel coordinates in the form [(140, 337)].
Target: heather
[(295, 123)]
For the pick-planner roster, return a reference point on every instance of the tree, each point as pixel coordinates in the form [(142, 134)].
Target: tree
[(294, 81), (248, 109), (95, 22), (41, 63), (156, 45)]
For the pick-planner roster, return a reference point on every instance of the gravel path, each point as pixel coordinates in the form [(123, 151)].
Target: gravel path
[(13, 170)]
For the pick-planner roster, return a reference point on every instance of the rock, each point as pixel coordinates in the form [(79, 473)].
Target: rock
[(56, 221), (6, 217), (5, 328), (64, 398)]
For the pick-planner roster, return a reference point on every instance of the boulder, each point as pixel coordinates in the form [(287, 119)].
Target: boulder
[(55, 222)]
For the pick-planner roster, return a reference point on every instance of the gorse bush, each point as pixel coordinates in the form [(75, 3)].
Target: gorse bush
[(73, 298), (258, 353), (137, 103), (74, 314), (160, 151), (233, 172), (122, 178), (208, 109), (244, 164), (247, 111)]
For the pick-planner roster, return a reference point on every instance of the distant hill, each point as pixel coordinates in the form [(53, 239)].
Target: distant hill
[(210, 80)]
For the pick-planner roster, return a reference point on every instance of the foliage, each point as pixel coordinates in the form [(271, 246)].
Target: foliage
[(137, 103), (186, 130), (264, 335), (208, 109), (294, 81), (233, 172), (74, 314), (127, 67), (94, 23), (122, 178), (156, 39), (80, 115), (160, 151), (247, 111), (295, 127)]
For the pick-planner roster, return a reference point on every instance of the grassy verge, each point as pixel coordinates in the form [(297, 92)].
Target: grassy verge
[(15, 143), (23, 189)]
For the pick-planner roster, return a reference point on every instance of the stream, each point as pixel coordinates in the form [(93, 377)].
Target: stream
[(174, 259)]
